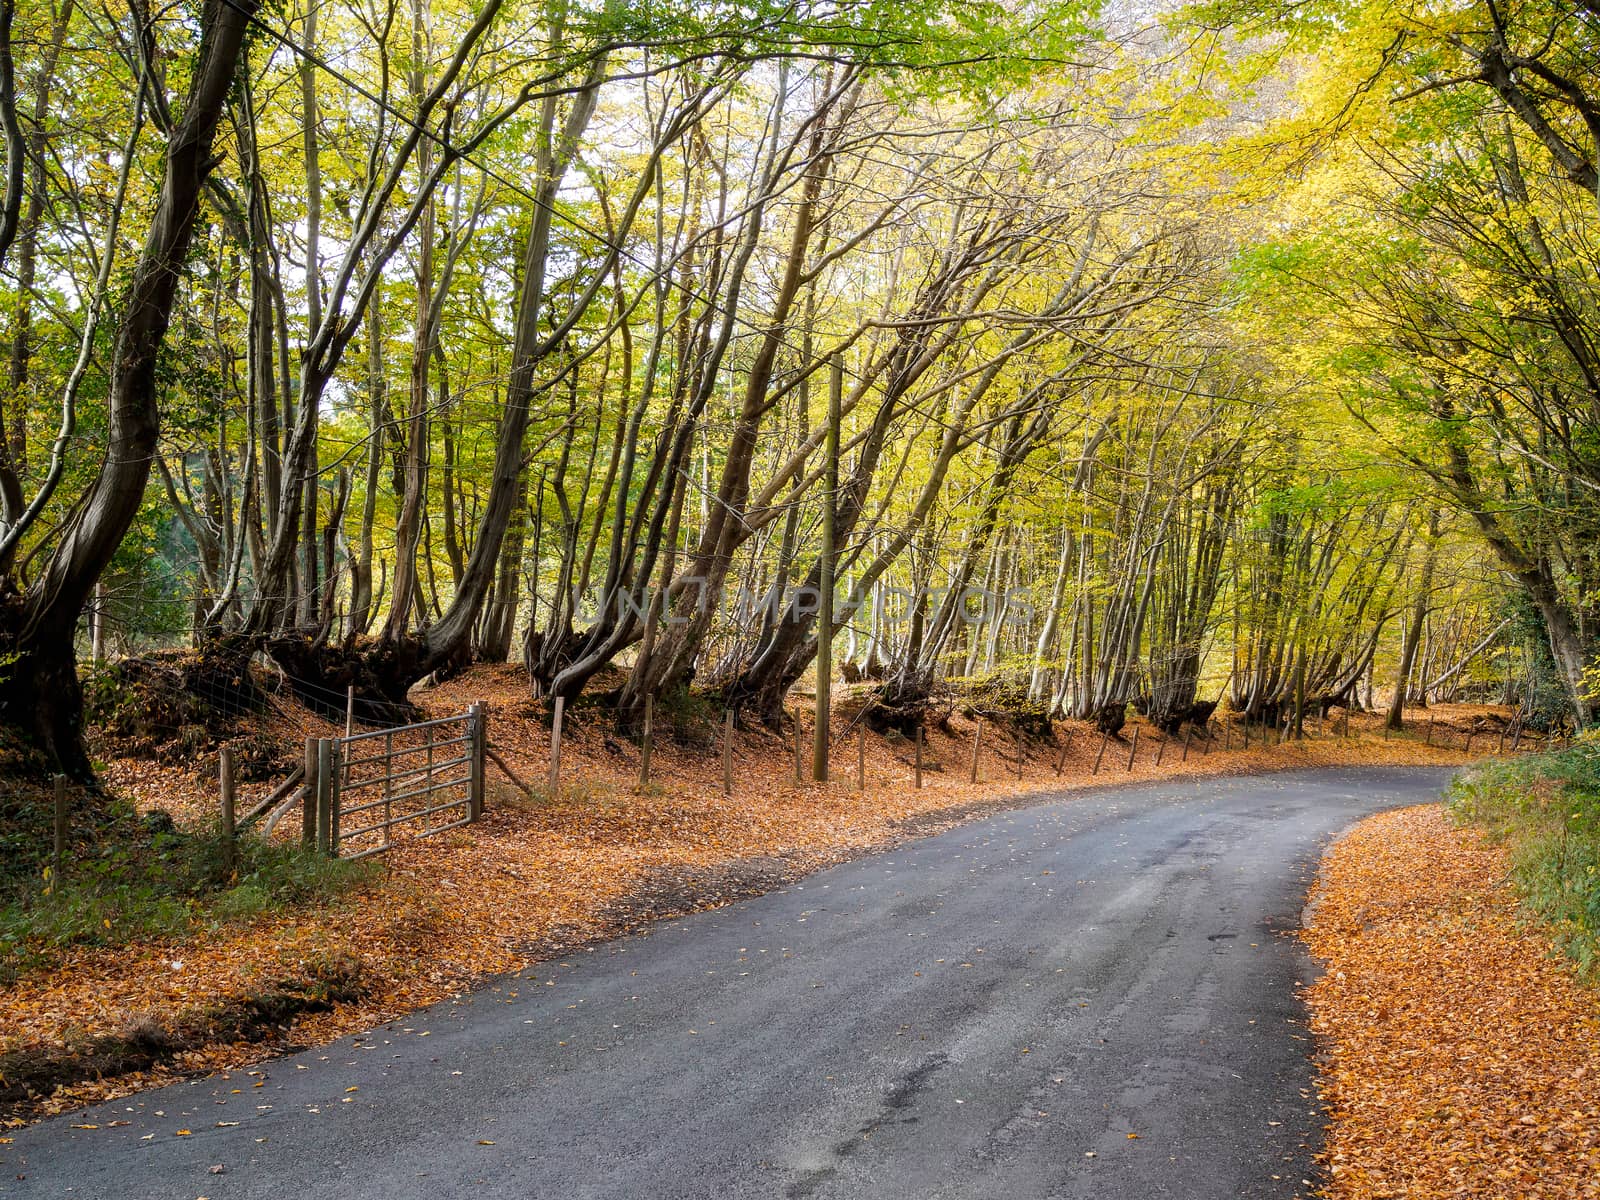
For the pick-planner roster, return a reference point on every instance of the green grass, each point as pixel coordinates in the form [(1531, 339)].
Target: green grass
[(1546, 809), (131, 883)]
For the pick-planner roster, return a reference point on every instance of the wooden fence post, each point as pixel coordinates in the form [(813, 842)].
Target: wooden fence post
[(1105, 739), (1133, 747), (1500, 745), (1016, 735), (478, 724), (1061, 759), (335, 795), (313, 795), (58, 838), (1227, 734), (727, 753), (1429, 740), (428, 748), (350, 710), (388, 789), (799, 750), (645, 746), (919, 758), (827, 567), (977, 738), (1161, 750), (1470, 732), (861, 758), (325, 796), (1188, 737), (225, 783), (555, 746)]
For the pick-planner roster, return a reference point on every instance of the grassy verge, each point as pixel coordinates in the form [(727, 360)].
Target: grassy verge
[(128, 880), (1546, 810)]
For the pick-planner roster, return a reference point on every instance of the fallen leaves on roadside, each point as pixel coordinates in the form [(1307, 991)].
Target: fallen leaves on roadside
[(1457, 1053), (538, 879)]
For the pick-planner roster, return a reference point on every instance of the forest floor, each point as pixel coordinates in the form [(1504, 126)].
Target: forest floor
[(1459, 1056), (543, 877)]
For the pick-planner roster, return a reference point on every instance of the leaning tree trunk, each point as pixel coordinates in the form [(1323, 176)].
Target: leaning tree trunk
[(39, 692), (1413, 633)]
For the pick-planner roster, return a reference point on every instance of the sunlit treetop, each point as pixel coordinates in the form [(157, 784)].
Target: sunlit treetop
[(977, 49)]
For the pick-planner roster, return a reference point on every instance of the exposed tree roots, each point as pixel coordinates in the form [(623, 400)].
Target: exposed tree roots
[(321, 675)]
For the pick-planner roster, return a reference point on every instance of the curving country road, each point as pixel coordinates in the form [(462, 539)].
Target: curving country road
[(1093, 997)]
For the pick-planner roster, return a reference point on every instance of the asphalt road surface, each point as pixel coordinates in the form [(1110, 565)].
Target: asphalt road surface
[(1092, 997)]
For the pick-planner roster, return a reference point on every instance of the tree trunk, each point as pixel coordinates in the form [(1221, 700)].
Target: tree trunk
[(1413, 632), (39, 693), (23, 153)]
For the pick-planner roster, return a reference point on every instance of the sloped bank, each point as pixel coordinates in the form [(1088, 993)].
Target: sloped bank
[(1459, 1056)]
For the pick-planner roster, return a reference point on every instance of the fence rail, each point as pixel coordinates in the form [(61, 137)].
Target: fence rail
[(406, 790)]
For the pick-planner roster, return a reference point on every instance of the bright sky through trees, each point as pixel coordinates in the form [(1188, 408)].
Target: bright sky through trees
[(1232, 351)]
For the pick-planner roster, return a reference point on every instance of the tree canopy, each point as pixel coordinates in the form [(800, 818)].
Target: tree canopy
[(1242, 350)]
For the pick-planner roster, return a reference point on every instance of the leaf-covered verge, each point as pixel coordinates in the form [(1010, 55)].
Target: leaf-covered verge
[(540, 878), (1545, 810), (136, 878), (1458, 1055)]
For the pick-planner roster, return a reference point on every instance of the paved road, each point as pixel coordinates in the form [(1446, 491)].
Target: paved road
[(1092, 997)]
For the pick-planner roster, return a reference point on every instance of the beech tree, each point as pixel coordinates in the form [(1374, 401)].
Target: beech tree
[(371, 340), (39, 690)]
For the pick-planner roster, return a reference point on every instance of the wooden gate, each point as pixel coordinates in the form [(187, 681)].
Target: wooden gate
[(364, 790)]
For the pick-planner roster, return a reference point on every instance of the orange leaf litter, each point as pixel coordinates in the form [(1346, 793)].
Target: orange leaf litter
[(1459, 1057), (536, 881)]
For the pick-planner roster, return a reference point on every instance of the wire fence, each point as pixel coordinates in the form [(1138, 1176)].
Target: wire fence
[(1000, 739), (365, 783)]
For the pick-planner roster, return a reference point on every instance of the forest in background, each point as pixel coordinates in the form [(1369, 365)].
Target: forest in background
[(1235, 351)]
